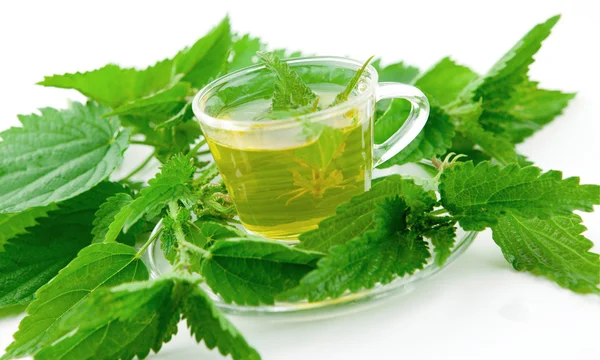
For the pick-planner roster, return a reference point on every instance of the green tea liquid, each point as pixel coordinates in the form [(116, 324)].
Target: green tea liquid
[(283, 191)]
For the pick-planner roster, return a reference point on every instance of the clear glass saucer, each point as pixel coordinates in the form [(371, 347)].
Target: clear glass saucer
[(347, 303)]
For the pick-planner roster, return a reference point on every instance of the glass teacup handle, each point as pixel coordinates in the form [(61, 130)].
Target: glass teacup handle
[(413, 124)]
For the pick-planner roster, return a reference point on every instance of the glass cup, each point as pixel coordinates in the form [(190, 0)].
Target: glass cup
[(285, 176)]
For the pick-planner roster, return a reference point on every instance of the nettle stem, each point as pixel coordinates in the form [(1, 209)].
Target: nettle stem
[(140, 167), (191, 223), (440, 211), (150, 241), (194, 151), (184, 262), (145, 142)]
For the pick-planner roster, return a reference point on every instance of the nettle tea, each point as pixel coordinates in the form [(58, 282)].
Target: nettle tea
[(287, 188), (294, 139)]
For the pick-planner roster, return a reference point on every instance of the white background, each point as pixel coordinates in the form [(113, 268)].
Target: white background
[(477, 309)]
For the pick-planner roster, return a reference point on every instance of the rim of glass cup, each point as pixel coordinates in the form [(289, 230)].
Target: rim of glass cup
[(199, 101)]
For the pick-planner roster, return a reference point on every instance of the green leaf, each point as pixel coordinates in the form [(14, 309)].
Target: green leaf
[(106, 215), (163, 104), (398, 72), (131, 319), (14, 310), (377, 256), (353, 218), (243, 52), (492, 145), (185, 114), (171, 184), (552, 247), (343, 96), (12, 225), (34, 257), (121, 322), (466, 121), (257, 88), (435, 138), (183, 242), (290, 91), (442, 238), (177, 139), (244, 49), (57, 155), (96, 266), (211, 231), (445, 81), (287, 54), (502, 95), (249, 271), (480, 195), (511, 70), (325, 149), (527, 110), (207, 323), (391, 120), (113, 86), (207, 58), (537, 105), (176, 227)]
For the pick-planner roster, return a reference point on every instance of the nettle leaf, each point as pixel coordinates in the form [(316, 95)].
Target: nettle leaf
[(176, 228), (527, 110), (12, 225), (207, 323), (199, 235), (113, 86), (177, 139), (106, 215), (34, 257), (204, 60), (377, 256), (290, 91), (244, 49), (398, 72), (552, 247), (243, 52), (185, 114), (171, 184), (96, 266), (466, 120), (344, 94), (442, 236), (162, 104), (511, 70), (211, 231), (251, 271), (499, 148), (120, 323), (480, 195), (391, 120), (287, 54), (435, 138), (57, 155), (324, 150), (355, 217), (495, 111), (445, 81)]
